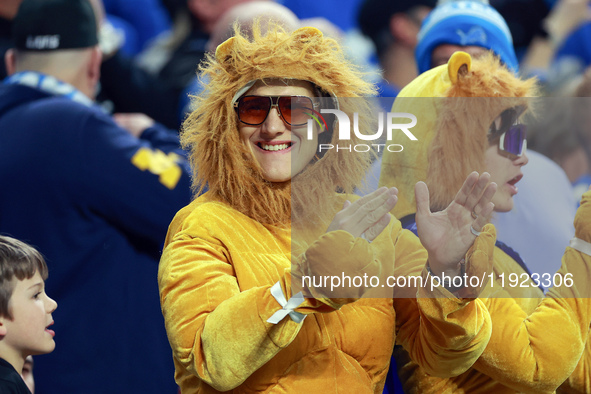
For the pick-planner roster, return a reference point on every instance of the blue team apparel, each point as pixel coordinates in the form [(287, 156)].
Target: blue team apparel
[(96, 202)]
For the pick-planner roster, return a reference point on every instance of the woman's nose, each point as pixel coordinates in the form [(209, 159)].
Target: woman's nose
[(521, 160), (274, 124)]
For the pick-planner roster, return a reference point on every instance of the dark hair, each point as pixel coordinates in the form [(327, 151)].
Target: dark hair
[(17, 260), (373, 17)]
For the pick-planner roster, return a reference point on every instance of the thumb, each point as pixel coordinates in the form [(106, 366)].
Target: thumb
[(422, 198)]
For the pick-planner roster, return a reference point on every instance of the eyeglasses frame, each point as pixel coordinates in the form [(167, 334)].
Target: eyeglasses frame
[(274, 103)]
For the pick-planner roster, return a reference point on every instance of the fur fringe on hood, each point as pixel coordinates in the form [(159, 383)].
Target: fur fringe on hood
[(455, 105), (226, 167)]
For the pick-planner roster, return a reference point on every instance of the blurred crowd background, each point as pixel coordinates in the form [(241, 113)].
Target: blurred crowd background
[(152, 48)]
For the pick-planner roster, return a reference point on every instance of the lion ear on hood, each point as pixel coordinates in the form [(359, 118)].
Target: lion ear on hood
[(308, 31), (459, 65), (223, 50)]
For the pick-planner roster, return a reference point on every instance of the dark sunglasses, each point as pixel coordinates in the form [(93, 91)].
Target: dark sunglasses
[(294, 110), (513, 140)]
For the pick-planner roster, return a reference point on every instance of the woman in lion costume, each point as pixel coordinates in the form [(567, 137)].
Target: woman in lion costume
[(277, 211)]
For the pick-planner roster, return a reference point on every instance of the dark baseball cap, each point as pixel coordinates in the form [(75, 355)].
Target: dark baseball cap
[(48, 25), (374, 15), (374, 18)]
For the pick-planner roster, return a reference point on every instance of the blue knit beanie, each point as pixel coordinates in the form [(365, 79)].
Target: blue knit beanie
[(465, 23)]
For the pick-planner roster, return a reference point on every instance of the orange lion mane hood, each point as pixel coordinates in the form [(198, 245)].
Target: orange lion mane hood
[(221, 162), (455, 105)]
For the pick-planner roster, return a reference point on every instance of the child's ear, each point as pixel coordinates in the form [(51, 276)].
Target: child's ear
[(458, 66)]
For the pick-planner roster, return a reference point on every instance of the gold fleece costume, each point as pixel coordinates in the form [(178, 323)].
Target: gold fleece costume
[(536, 343), (226, 250), (215, 276)]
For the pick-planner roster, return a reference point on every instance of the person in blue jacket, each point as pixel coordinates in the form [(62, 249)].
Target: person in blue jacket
[(95, 200)]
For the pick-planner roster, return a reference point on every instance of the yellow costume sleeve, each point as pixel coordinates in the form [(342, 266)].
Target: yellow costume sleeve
[(536, 353), (442, 333), (580, 380)]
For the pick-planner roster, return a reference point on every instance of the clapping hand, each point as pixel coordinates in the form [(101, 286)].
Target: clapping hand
[(368, 216), (447, 235)]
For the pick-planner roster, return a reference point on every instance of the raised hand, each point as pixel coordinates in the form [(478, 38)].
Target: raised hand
[(368, 216), (447, 235), (133, 123)]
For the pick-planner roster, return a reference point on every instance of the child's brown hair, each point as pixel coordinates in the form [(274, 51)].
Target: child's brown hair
[(17, 260)]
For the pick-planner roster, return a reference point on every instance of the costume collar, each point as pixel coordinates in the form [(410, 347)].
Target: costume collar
[(49, 84)]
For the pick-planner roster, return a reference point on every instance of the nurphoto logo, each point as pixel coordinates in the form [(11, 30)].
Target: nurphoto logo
[(344, 130)]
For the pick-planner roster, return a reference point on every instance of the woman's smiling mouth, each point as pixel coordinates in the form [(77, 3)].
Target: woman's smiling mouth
[(274, 146)]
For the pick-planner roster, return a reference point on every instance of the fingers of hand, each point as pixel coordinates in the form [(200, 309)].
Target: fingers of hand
[(483, 217), (464, 192), (374, 210), (476, 193), (363, 200), (375, 206), (375, 230), (349, 209), (486, 197), (364, 213), (422, 198)]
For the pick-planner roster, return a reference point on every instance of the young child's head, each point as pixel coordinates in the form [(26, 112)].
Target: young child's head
[(25, 309)]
